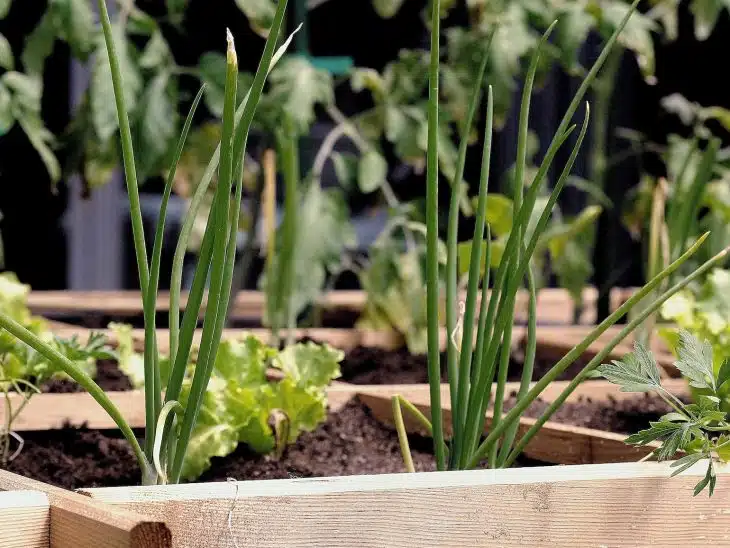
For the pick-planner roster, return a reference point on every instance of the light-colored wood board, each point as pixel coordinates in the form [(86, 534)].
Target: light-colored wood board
[(554, 443), (77, 522), (344, 339), (248, 304), (25, 519), (553, 341), (632, 504), (554, 304), (48, 411), (556, 341), (596, 390)]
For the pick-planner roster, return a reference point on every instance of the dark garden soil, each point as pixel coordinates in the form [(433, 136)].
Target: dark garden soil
[(108, 376), (361, 365), (367, 365), (350, 442)]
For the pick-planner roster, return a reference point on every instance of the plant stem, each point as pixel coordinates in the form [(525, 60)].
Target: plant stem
[(243, 266), (602, 94), (130, 171), (152, 393), (402, 434), (527, 368), (578, 350), (432, 237), (151, 355), (291, 199), (221, 228), (452, 258)]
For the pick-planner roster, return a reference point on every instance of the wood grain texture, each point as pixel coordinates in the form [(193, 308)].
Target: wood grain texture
[(78, 522), (634, 504), (25, 518), (47, 411), (554, 304), (556, 341), (554, 443), (344, 339)]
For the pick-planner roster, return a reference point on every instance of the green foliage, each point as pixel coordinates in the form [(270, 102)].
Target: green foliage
[(23, 369), (20, 102), (699, 429), (19, 361), (240, 400), (704, 311), (7, 61), (296, 87), (260, 14), (558, 248), (393, 280), (323, 234)]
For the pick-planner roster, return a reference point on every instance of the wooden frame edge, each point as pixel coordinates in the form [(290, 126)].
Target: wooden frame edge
[(554, 506), (25, 518), (78, 522), (554, 304)]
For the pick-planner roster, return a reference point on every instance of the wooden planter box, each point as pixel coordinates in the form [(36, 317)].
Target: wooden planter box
[(555, 443), (593, 504), (608, 500), (631, 504)]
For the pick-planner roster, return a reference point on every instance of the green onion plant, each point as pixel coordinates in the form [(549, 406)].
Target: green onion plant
[(474, 363), (169, 424)]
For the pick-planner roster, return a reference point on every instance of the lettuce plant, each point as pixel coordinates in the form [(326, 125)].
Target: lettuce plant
[(700, 430), (240, 400), (23, 370), (474, 362)]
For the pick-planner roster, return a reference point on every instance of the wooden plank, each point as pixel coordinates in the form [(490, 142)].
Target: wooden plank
[(77, 522), (556, 341), (48, 411), (25, 518), (344, 339), (554, 304), (248, 304), (631, 504), (554, 443)]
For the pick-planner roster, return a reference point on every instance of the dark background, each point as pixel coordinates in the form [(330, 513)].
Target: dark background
[(35, 245)]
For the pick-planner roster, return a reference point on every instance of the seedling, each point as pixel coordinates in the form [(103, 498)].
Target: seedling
[(701, 430)]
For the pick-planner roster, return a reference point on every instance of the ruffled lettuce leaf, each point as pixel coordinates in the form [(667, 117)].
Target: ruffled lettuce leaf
[(240, 400)]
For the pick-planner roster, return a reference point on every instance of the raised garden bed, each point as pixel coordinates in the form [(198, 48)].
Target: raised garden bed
[(589, 429), (60, 448), (546, 503)]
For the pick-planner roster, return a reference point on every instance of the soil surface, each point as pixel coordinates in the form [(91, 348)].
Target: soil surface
[(367, 365), (108, 376), (350, 442), (361, 365)]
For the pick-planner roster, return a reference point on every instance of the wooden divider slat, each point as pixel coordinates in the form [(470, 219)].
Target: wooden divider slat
[(25, 518), (47, 411), (79, 522), (554, 443), (554, 304)]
